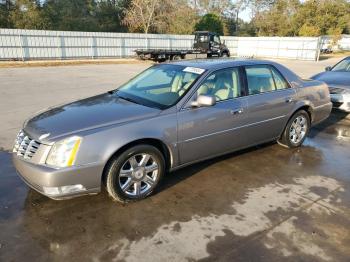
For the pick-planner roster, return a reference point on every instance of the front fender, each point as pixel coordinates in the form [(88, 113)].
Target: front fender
[(99, 145)]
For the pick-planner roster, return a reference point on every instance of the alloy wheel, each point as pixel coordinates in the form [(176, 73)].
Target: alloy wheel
[(298, 129), (138, 174)]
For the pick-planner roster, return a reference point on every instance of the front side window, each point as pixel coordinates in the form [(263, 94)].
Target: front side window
[(262, 79), (223, 85), (160, 86), (216, 39)]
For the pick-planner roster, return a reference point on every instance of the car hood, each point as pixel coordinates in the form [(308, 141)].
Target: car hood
[(94, 112), (332, 78)]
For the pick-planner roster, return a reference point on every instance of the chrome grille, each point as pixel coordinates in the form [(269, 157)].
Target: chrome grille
[(25, 146)]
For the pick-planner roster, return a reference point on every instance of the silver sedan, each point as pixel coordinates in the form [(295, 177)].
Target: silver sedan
[(167, 117), (337, 77)]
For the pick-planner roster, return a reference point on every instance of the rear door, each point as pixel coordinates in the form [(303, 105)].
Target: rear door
[(270, 101)]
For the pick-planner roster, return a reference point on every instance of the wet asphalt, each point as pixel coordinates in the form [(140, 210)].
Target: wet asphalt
[(266, 203)]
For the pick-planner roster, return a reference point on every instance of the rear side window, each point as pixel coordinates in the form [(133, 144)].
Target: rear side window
[(263, 78), (279, 80)]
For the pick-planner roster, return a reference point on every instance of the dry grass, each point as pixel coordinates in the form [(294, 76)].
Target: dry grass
[(335, 54), (6, 64)]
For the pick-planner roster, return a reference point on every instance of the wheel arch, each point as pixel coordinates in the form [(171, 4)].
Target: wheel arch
[(306, 108), (157, 143)]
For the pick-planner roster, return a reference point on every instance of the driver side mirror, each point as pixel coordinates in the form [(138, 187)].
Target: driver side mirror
[(204, 100), (328, 68)]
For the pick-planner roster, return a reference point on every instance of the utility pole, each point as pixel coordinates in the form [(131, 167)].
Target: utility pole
[(237, 13), (8, 4)]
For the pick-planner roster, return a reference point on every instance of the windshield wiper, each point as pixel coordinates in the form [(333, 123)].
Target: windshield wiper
[(138, 101), (126, 98), (129, 99)]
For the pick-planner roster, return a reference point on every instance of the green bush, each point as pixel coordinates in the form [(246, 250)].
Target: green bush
[(210, 22)]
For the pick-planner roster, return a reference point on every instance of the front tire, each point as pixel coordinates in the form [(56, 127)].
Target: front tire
[(296, 130), (134, 174), (225, 55)]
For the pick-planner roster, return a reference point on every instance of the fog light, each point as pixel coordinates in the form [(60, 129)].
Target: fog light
[(55, 191), (72, 189), (51, 190)]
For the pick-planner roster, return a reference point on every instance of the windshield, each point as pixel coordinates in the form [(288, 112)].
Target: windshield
[(160, 86), (202, 38), (342, 66)]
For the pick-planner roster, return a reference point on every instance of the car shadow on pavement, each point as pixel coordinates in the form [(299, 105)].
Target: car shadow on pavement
[(180, 175)]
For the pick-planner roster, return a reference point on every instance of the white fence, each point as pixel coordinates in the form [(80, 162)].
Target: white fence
[(18, 44), (302, 48), (342, 44)]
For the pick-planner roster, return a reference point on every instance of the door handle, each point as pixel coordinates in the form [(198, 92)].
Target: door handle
[(236, 111), (289, 100)]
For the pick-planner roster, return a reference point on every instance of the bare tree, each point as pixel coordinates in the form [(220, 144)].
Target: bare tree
[(141, 15), (161, 16), (258, 6), (239, 6), (176, 17), (213, 6)]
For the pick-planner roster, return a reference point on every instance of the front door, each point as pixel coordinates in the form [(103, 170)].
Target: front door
[(208, 131)]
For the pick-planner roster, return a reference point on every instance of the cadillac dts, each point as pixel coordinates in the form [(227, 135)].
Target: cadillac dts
[(169, 116)]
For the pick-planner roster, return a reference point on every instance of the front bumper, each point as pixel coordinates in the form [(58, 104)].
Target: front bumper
[(69, 182), (341, 102)]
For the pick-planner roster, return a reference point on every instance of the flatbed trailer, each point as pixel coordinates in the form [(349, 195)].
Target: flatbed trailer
[(204, 43), (161, 55)]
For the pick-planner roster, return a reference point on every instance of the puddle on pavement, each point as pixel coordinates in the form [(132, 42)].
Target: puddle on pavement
[(339, 131), (191, 238), (338, 125)]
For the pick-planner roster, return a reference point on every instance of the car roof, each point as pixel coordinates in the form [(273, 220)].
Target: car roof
[(214, 64), (204, 32)]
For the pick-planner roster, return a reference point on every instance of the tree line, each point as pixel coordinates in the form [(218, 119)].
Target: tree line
[(268, 17)]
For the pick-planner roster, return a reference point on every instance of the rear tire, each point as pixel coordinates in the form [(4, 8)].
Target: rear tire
[(134, 174), (176, 57), (296, 130)]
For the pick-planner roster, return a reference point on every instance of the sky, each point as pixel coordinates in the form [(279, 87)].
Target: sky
[(245, 15)]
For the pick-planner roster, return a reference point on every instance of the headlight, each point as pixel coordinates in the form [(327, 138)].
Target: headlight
[(63, 153)]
